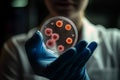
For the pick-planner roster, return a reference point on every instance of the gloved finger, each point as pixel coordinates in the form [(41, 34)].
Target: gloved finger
[(86, 54), (80, 46), (80, 58), (59, 65), (92, 46)]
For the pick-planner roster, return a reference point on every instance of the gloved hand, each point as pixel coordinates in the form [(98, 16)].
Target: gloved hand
[(69, 66)]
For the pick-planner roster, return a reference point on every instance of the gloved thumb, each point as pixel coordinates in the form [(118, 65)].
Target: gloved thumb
[(35, 40)]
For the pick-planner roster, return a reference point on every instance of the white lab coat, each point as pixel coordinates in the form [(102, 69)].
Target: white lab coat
[(105, 62), (103, 65)]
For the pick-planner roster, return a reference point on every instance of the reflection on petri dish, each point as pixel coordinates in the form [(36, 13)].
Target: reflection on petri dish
[(59, 34)]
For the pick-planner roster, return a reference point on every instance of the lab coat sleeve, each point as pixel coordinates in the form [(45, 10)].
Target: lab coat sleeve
[(9, 63)]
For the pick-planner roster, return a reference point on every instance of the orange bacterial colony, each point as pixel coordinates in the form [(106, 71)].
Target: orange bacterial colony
[(59, 23), (68, 27), (69, 40)]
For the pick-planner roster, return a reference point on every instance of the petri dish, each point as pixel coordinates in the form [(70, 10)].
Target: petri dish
[(59, 34)]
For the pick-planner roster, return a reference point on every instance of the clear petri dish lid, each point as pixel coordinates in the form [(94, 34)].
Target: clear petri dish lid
[(59, 34)]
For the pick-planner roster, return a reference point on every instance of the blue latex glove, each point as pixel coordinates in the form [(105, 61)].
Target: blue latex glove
[(69, 66)]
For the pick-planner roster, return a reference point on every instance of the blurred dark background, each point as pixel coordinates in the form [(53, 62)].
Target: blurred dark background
[(18, 16)]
